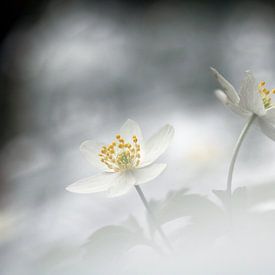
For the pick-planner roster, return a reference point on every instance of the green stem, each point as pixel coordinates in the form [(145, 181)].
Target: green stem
[(152, 217), (235, 154)]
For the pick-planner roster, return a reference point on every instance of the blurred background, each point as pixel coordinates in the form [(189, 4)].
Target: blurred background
[(77, 70)]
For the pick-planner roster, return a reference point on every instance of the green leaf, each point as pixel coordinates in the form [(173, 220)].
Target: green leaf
[(108, 244), (179, 204)]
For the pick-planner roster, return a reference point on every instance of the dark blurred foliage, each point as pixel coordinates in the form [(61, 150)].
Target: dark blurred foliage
[(14, 13)]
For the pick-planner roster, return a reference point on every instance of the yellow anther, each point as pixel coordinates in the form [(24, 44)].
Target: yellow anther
[(134, 138), (265, 94), (266, 91), (121, 155)]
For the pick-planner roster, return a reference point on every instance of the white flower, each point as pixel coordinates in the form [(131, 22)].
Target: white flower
[(126, 162), (252, 99)]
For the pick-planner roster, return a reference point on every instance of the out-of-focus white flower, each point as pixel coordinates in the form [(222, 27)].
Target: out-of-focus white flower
[(125, 162), (252, 99)]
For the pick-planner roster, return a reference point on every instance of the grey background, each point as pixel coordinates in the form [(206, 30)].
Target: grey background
[(77, 70)]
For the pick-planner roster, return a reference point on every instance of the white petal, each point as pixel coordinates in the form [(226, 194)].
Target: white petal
[(221, 96), (93, 184), (90, 150), (267, 128), (157, 144), (238, 110), (250, 98), (270, 115), (122, 184), (129, 129), (227, 87), (228, 103), (148, 173)]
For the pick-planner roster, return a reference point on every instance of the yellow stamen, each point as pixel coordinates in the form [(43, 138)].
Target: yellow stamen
[(265, 94), (122, 156), (266, 91), (134, 138), (261, 84)]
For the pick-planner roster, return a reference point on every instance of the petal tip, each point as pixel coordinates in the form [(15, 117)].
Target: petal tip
[(129, 120), (70, 188), (221, 96), (83, 145), (74, 188), (170, 130), (215, 72), (213, 69), (249, 73), (170, 126)]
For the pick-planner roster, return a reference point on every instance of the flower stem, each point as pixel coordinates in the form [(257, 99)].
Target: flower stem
[(152, 217), (235, 154)]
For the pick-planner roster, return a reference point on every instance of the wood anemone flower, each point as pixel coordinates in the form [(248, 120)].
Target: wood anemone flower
[(125, 162), (253, 99)]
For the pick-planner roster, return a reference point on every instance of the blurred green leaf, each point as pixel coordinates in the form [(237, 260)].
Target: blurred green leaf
[(261, 193), (180, 204), (108, 244)]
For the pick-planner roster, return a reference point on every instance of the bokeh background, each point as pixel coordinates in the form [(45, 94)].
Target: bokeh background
[(76, 70)]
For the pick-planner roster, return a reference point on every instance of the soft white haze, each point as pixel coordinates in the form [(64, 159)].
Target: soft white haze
[(78, 74)]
